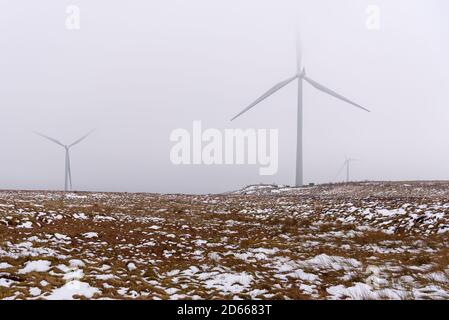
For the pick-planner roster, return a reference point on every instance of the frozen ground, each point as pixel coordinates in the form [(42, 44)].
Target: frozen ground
[(356, 241)]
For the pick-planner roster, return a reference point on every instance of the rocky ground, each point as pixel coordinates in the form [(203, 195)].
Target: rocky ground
[(344, 241)]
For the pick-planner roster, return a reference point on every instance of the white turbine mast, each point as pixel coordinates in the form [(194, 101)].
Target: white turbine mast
[(67, 172), (346, 164), (300, 76)]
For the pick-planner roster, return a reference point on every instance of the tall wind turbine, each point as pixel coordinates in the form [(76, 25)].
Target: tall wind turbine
[(346, 164), (68, 172), (301, 76)]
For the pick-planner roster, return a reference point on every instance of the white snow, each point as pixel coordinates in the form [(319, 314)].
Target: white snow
[(131, 266), (80, 216), (4, 265), (44, 283), (35, 291), (76, 263), (333, 262), (104, 276), (90, 235), (230, 282), (214, 256), (25, 225), (36, 266), (5, 282), (61, 236), (75, 274), (359, 291), (74, 287)]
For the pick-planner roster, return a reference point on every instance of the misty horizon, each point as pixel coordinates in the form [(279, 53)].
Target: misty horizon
[(136, 72)]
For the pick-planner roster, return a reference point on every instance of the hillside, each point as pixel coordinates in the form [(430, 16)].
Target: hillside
[(344, 241)]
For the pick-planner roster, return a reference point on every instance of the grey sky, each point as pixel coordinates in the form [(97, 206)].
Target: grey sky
[(138, 69)]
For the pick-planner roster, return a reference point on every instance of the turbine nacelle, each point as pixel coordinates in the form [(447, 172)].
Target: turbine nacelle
[(301, 74)]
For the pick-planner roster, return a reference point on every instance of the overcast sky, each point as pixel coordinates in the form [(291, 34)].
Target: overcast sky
[(136, 70)]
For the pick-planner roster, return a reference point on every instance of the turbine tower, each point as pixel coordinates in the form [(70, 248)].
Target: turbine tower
[(301, 77), (346, 164), (68, 172)]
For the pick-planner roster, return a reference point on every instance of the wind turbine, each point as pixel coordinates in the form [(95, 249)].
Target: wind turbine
[(346, 164), (301, 77), (68, 172)]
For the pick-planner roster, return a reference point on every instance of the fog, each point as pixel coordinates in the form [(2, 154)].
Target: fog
[(137, 70)]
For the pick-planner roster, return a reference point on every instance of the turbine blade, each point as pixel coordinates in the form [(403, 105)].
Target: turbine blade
[(298, 53), (81, 139), (49, 138), (332, 93), (341, 169), (276, 88)]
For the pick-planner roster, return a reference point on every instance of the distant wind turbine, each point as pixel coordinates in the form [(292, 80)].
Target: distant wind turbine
[(346, 164), (68, 172), (301, 76)]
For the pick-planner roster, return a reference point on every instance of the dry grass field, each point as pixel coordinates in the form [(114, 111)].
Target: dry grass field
[(343, 241)]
